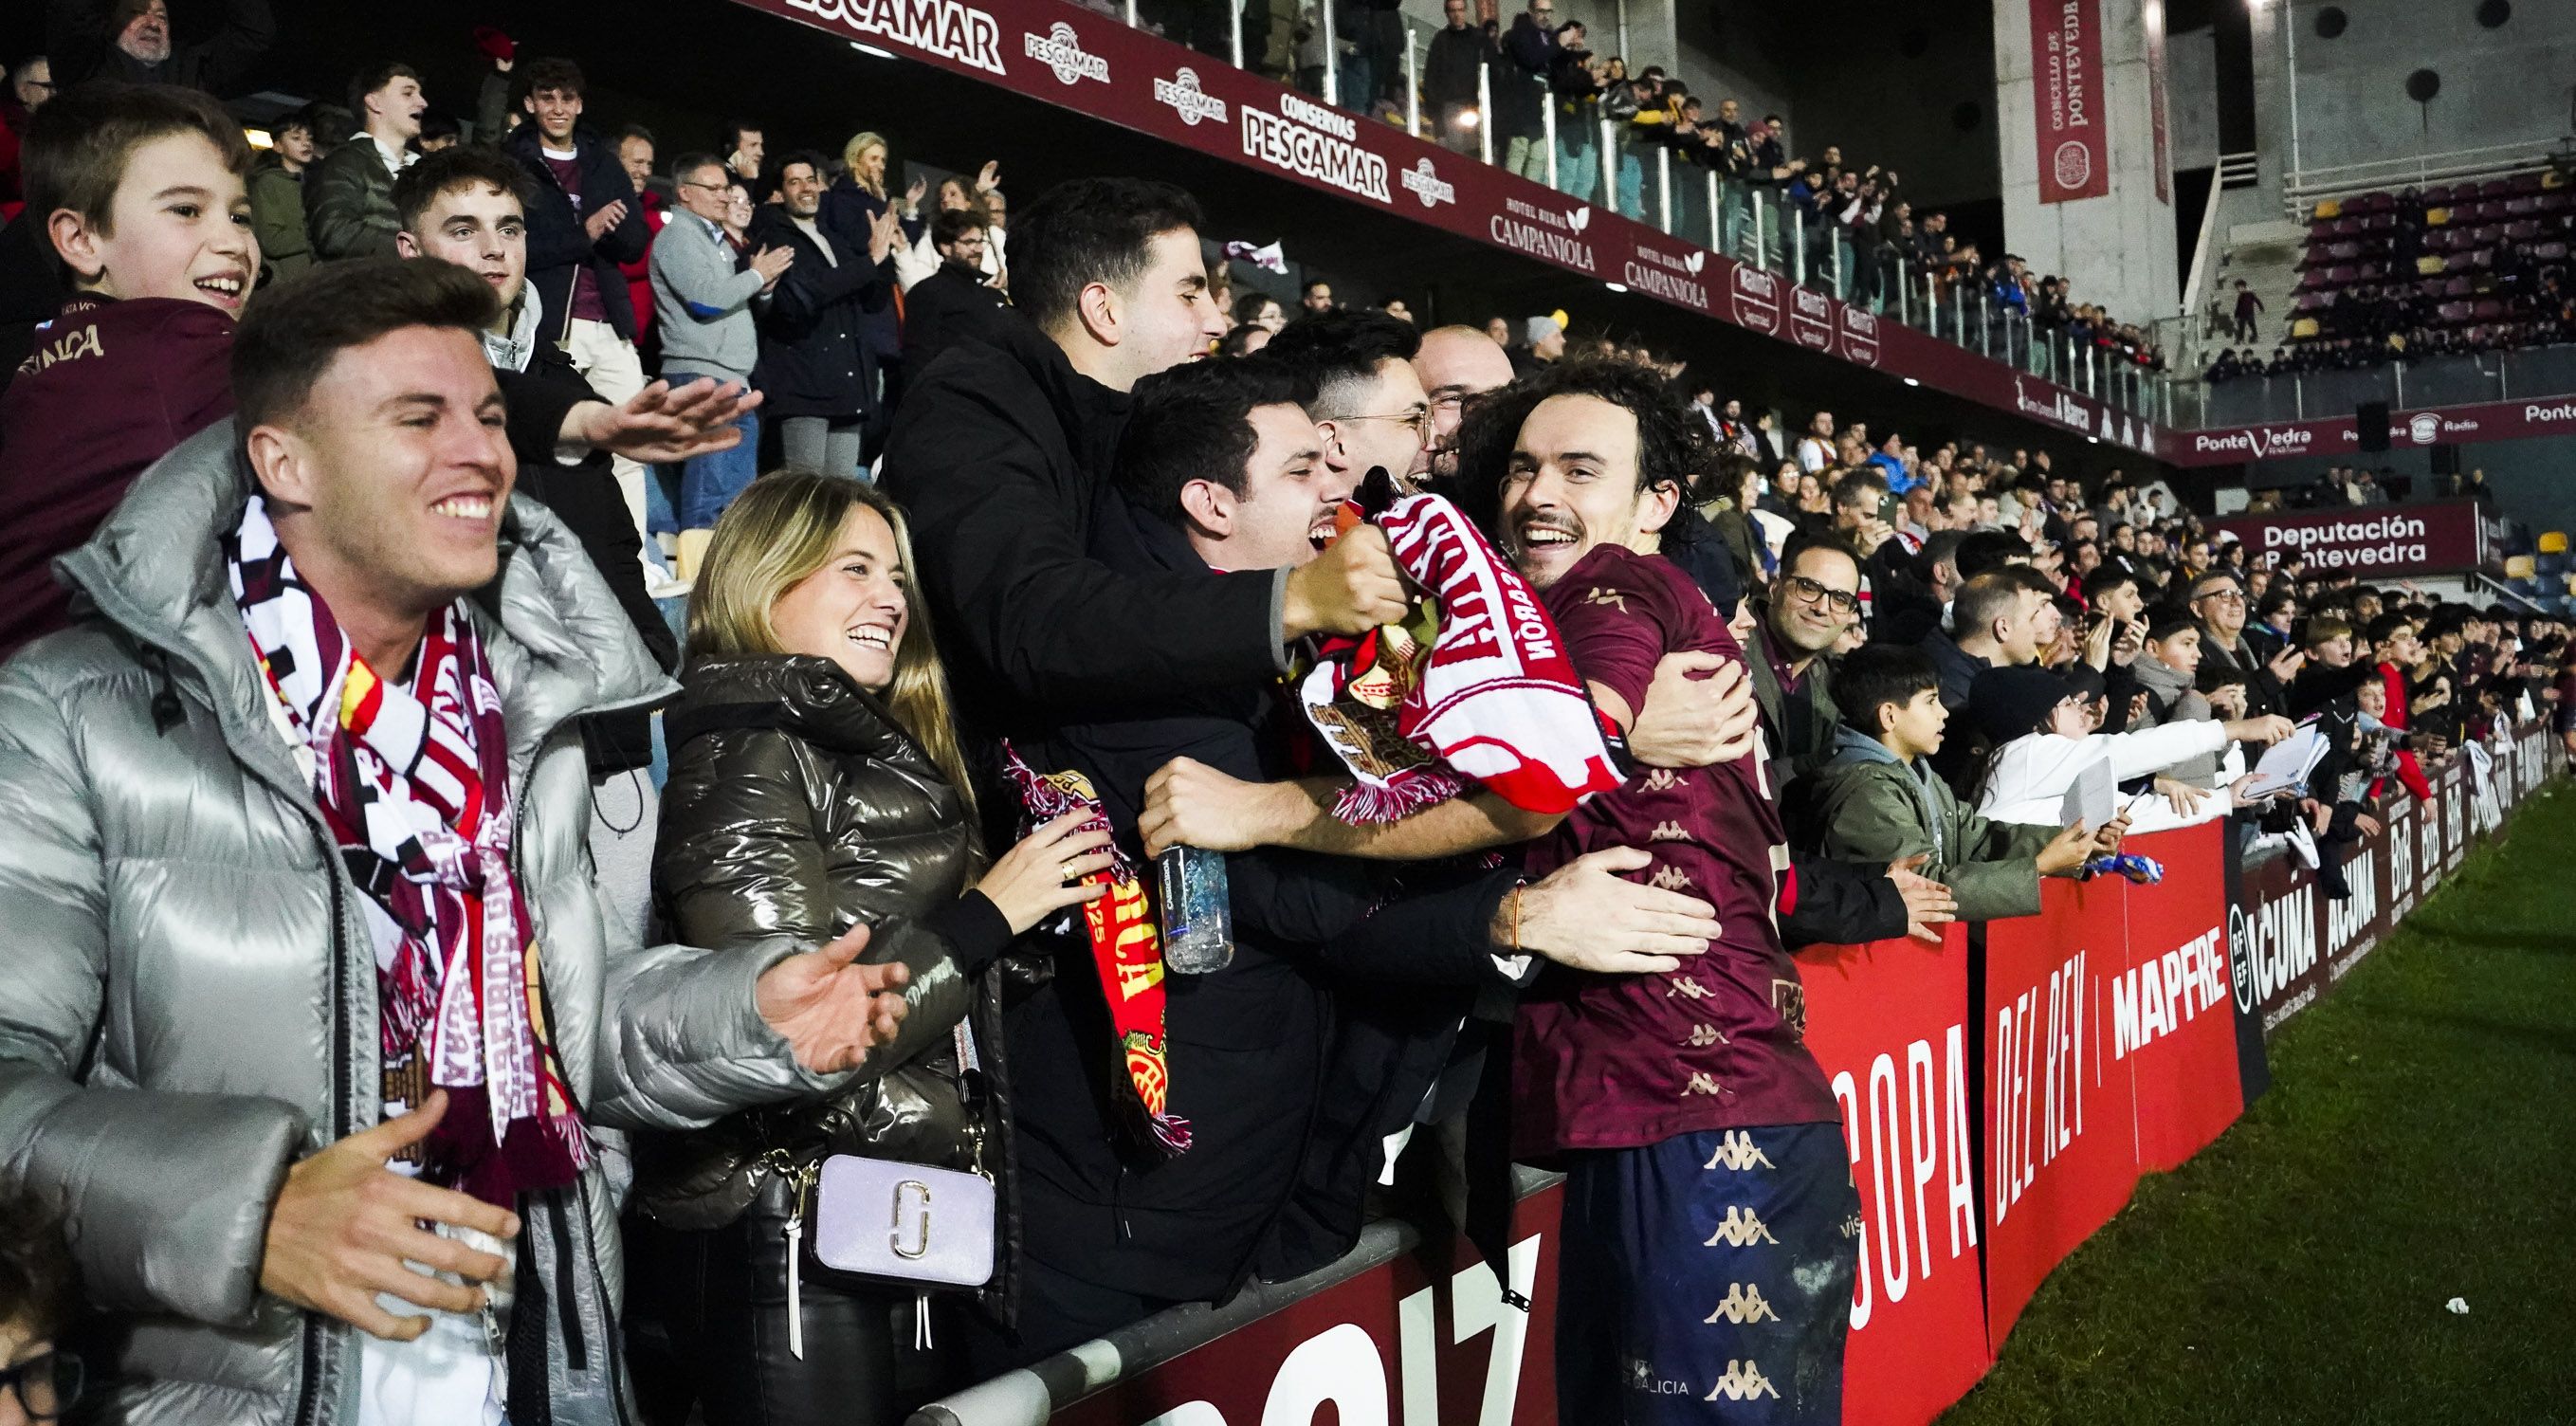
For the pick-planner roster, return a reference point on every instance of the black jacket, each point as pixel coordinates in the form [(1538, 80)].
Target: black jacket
[(1000, 455), (1289, 1088), (848, 211), (813, 361), (78, 43), (585, 497), (1451, 63), (952, 303), (560, 247), (797, 807)]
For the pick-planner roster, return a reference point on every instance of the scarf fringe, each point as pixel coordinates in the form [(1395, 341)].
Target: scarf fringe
[(1171, 1132), (1364, 803)]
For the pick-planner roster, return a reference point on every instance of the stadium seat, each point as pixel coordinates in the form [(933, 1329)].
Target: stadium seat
[(2553, 542), (2328, 208)]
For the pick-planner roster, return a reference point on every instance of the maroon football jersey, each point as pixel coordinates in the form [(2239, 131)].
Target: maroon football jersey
[(1622, 1061)]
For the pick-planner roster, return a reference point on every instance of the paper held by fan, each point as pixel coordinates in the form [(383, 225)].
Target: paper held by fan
[(2286, 766)]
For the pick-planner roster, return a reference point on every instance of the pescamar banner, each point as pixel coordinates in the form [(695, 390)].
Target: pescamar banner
[(1090, 63)]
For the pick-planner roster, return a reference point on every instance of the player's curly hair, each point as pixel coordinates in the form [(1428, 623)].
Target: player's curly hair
[(1673, 447)]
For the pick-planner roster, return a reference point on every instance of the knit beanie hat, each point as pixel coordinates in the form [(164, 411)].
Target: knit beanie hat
[(1539, 329), (2008, 703)]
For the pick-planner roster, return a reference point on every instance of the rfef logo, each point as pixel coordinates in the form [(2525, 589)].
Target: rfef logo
[(1183, 94), (1060, 50)]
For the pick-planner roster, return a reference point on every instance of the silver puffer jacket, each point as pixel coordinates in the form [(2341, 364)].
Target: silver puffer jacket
[(188, 998)]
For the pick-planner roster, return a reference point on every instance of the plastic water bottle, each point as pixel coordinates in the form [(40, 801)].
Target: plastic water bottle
[(1198, 920)]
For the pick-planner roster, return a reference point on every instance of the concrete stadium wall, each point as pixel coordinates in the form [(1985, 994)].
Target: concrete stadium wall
[(2505, 85)]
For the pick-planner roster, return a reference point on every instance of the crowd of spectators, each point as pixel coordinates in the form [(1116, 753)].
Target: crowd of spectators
[(1142, 569), (2421, 273)]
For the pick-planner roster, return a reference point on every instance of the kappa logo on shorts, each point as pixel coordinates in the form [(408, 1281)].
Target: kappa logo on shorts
[(1737, 1152), (1743, 1304), (1743, 1382), (1742, 1227)]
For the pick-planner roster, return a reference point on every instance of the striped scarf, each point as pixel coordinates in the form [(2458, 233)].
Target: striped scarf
[(413, 782)]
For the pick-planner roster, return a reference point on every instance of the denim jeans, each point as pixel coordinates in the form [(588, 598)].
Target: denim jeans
[(1578, 161), (708, 483), (1632, 179)]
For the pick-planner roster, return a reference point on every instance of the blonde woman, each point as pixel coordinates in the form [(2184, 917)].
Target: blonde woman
[(851, 209), (816, 782)]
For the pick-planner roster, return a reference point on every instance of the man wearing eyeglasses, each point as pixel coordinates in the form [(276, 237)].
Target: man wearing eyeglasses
[(1369, 404), (1815, 602), (702, 303), (2218, 602)]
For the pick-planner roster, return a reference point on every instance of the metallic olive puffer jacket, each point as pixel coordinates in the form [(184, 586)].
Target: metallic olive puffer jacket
[(188, 994), (797, 807)]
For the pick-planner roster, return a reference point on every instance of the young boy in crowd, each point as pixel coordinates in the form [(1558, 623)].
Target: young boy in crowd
[(143, 192), (1879, 800)]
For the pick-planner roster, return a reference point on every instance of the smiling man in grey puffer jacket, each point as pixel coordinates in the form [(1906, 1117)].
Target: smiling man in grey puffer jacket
[(224, 893)]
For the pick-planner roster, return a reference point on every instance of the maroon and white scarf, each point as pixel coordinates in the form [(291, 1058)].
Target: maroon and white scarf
[(1478, 686), (413, 780)]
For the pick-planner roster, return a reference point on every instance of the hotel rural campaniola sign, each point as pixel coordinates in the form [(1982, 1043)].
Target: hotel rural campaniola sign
[(1094, 65)]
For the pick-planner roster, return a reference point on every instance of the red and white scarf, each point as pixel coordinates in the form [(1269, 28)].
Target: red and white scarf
[(413, 781), (1478, 687)]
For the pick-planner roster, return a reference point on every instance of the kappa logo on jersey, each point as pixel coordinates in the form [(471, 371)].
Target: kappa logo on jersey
[(1743, 1304), (1671, 878), (1662, 779), (1742, 1227), (1668, 832), (1691, 988), (1604, 595), (1743, 1382), (1701, 1082), (1738, 1152), (1703, 1036)]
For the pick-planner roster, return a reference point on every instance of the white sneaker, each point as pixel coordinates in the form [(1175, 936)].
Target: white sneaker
[(666, 586), (2304, 843)]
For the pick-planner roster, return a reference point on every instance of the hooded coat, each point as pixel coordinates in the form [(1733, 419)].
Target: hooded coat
[(191, 1004)]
